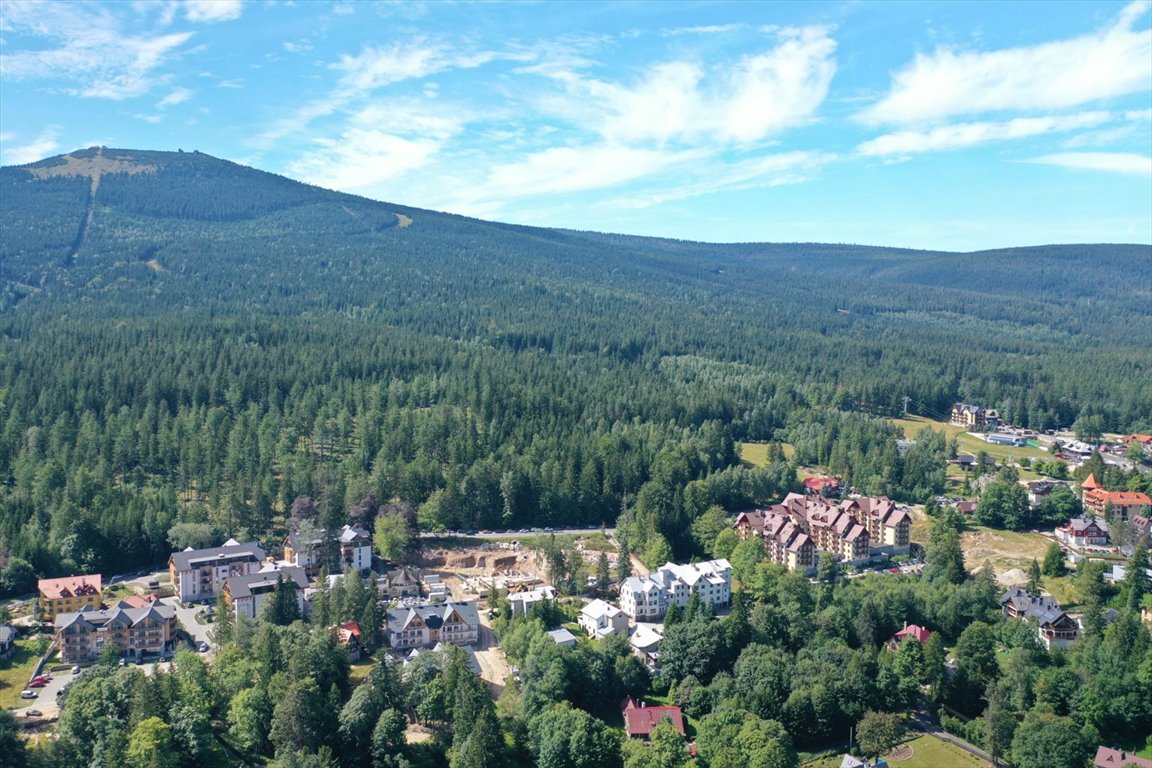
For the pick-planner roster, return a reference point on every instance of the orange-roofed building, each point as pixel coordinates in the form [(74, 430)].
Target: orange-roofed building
[(69, 594), (640, 719), (1090, 483), (347, 635), (1123, 503), (912, 630)]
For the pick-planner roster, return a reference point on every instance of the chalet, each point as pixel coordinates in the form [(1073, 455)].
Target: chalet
[(199, 574), (1083, 532), (424, 626), (137, 633), (1056, 629), (822, 486), (523, 602), (648, 597), (910, 630), (600, 619), (965, 415), (246, 594), (1141, 525), (640, 719), (347, 636), (1039, 490), (1144, 441), (1106, 757), (307, 551), (1122, 503), (7, 641), (965, 507), (69, 594), (398, 582)]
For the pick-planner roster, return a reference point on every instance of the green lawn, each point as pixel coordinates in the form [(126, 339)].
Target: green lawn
[(16, 672), (359, 670), (967, 443), (756, 454), (927, 752)]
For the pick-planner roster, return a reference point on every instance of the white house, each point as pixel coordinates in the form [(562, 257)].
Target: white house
[(648, 597), (354, 543), (424, 626), (198, 574), (600, 619), (523, 602), (247, 594)]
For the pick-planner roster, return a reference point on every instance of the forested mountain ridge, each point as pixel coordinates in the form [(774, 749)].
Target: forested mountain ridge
[(187, 340)]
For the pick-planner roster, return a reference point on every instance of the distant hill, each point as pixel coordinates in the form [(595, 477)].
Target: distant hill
[(183, 326)]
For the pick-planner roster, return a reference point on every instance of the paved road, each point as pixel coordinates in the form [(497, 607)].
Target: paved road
[(187, 619), (516, 534)]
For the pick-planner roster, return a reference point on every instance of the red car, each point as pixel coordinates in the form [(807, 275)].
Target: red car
[(37, 684)]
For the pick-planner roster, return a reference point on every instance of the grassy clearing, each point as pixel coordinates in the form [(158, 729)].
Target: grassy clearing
[(967, 443), (359, 670), (756, 454), (16, 672), (927, 752)]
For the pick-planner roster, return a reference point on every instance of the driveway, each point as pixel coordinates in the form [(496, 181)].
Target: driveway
[(186, 617)]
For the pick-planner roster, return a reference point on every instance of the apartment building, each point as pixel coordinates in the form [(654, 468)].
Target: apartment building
[(198, 575), (136, 633), (69, 594), (649, 597)]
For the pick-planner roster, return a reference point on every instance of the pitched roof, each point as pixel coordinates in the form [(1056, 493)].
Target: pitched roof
[(599, 608), (639, 720), (1106, 757), (70, 586), (1118, 498), (132, 616), (562, 636), (7, 634), (231, 550), (265, 579), (912, 630), (1090, 482), (434, 615)]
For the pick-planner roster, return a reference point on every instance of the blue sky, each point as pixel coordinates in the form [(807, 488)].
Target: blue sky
[(933, 125)]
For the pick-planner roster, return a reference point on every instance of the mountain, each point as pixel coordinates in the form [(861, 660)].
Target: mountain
[(179, 326)]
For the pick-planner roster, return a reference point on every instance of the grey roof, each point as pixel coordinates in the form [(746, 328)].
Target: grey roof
[(242, 586), (231, 550), (131, 616), (1077, 524), (432, 614), (7, 634), (561, 636), (346, 535)]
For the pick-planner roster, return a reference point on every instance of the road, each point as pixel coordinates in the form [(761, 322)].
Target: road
[(493, 666), (46, 699), (187, 619), (517, 534)]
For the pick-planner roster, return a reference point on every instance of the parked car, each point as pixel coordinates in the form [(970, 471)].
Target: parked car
[(37, 684), (34, 713), (26, 694), (76, 669), (202, 648)]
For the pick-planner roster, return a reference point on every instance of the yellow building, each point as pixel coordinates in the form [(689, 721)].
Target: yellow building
[(69, 594)]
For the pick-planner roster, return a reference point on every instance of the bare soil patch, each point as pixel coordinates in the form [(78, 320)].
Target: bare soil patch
[(403, 221), (902, 752)]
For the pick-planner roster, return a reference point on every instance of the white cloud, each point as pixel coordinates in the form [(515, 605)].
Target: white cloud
[(682, 101), (39, 148), (91, 50), (1127, 163), (360, 158), (1057, 75), (178, 96), (964, 135), (212, 11), (573, 169)]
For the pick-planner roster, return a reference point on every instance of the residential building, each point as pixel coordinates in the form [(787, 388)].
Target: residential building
[(523, 602), (402, 581), (7, 641), (199, 574), (423, 626), (648, 597), (248, 593), (562, 637), (1144, 441), (137, 633), (822, 486), (347, 636), (1083, 532), (1122, 503), (1141, 525), (968, 416), (646, 641), (307, 550), (1039, 490), (785, 542), (1056, 629), (640, 719), (910, 630), (1106, 757), (69, 594), (600, 619)]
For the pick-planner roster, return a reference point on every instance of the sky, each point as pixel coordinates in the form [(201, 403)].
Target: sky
[(953, 126)]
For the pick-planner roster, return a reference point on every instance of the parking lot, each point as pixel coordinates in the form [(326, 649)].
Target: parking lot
[(186, 616)]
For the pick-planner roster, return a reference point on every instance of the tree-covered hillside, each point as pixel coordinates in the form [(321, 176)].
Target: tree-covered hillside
[(183, 339)]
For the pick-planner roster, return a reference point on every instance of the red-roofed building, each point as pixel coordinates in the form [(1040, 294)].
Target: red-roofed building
[(69, 594), (1090, 483), (348, 635), (640, 719), (1123, 503), (1107, 757), (818, 486), (137, 601), (910, 630)]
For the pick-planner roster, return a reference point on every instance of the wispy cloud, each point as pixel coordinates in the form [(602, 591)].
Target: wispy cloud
[(1127, 163), (1057, 75), (211, 11), (91, 50), (37, 149), (962, 135), (178, 96)]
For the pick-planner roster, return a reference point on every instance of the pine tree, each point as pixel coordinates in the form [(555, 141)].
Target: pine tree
[(623, 561), (1054, 561), (1034, 584)]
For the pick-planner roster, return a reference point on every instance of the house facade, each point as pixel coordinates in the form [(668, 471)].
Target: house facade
[(600, 619), (423, 626), (973, 416), (640, 719), (402, 581), (1122, 503), (523, 602), (1083, 532), (137, 633), (198, 575), (1055, 628), (649, 597), (307, 550), (247, 593), (69, 594)]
